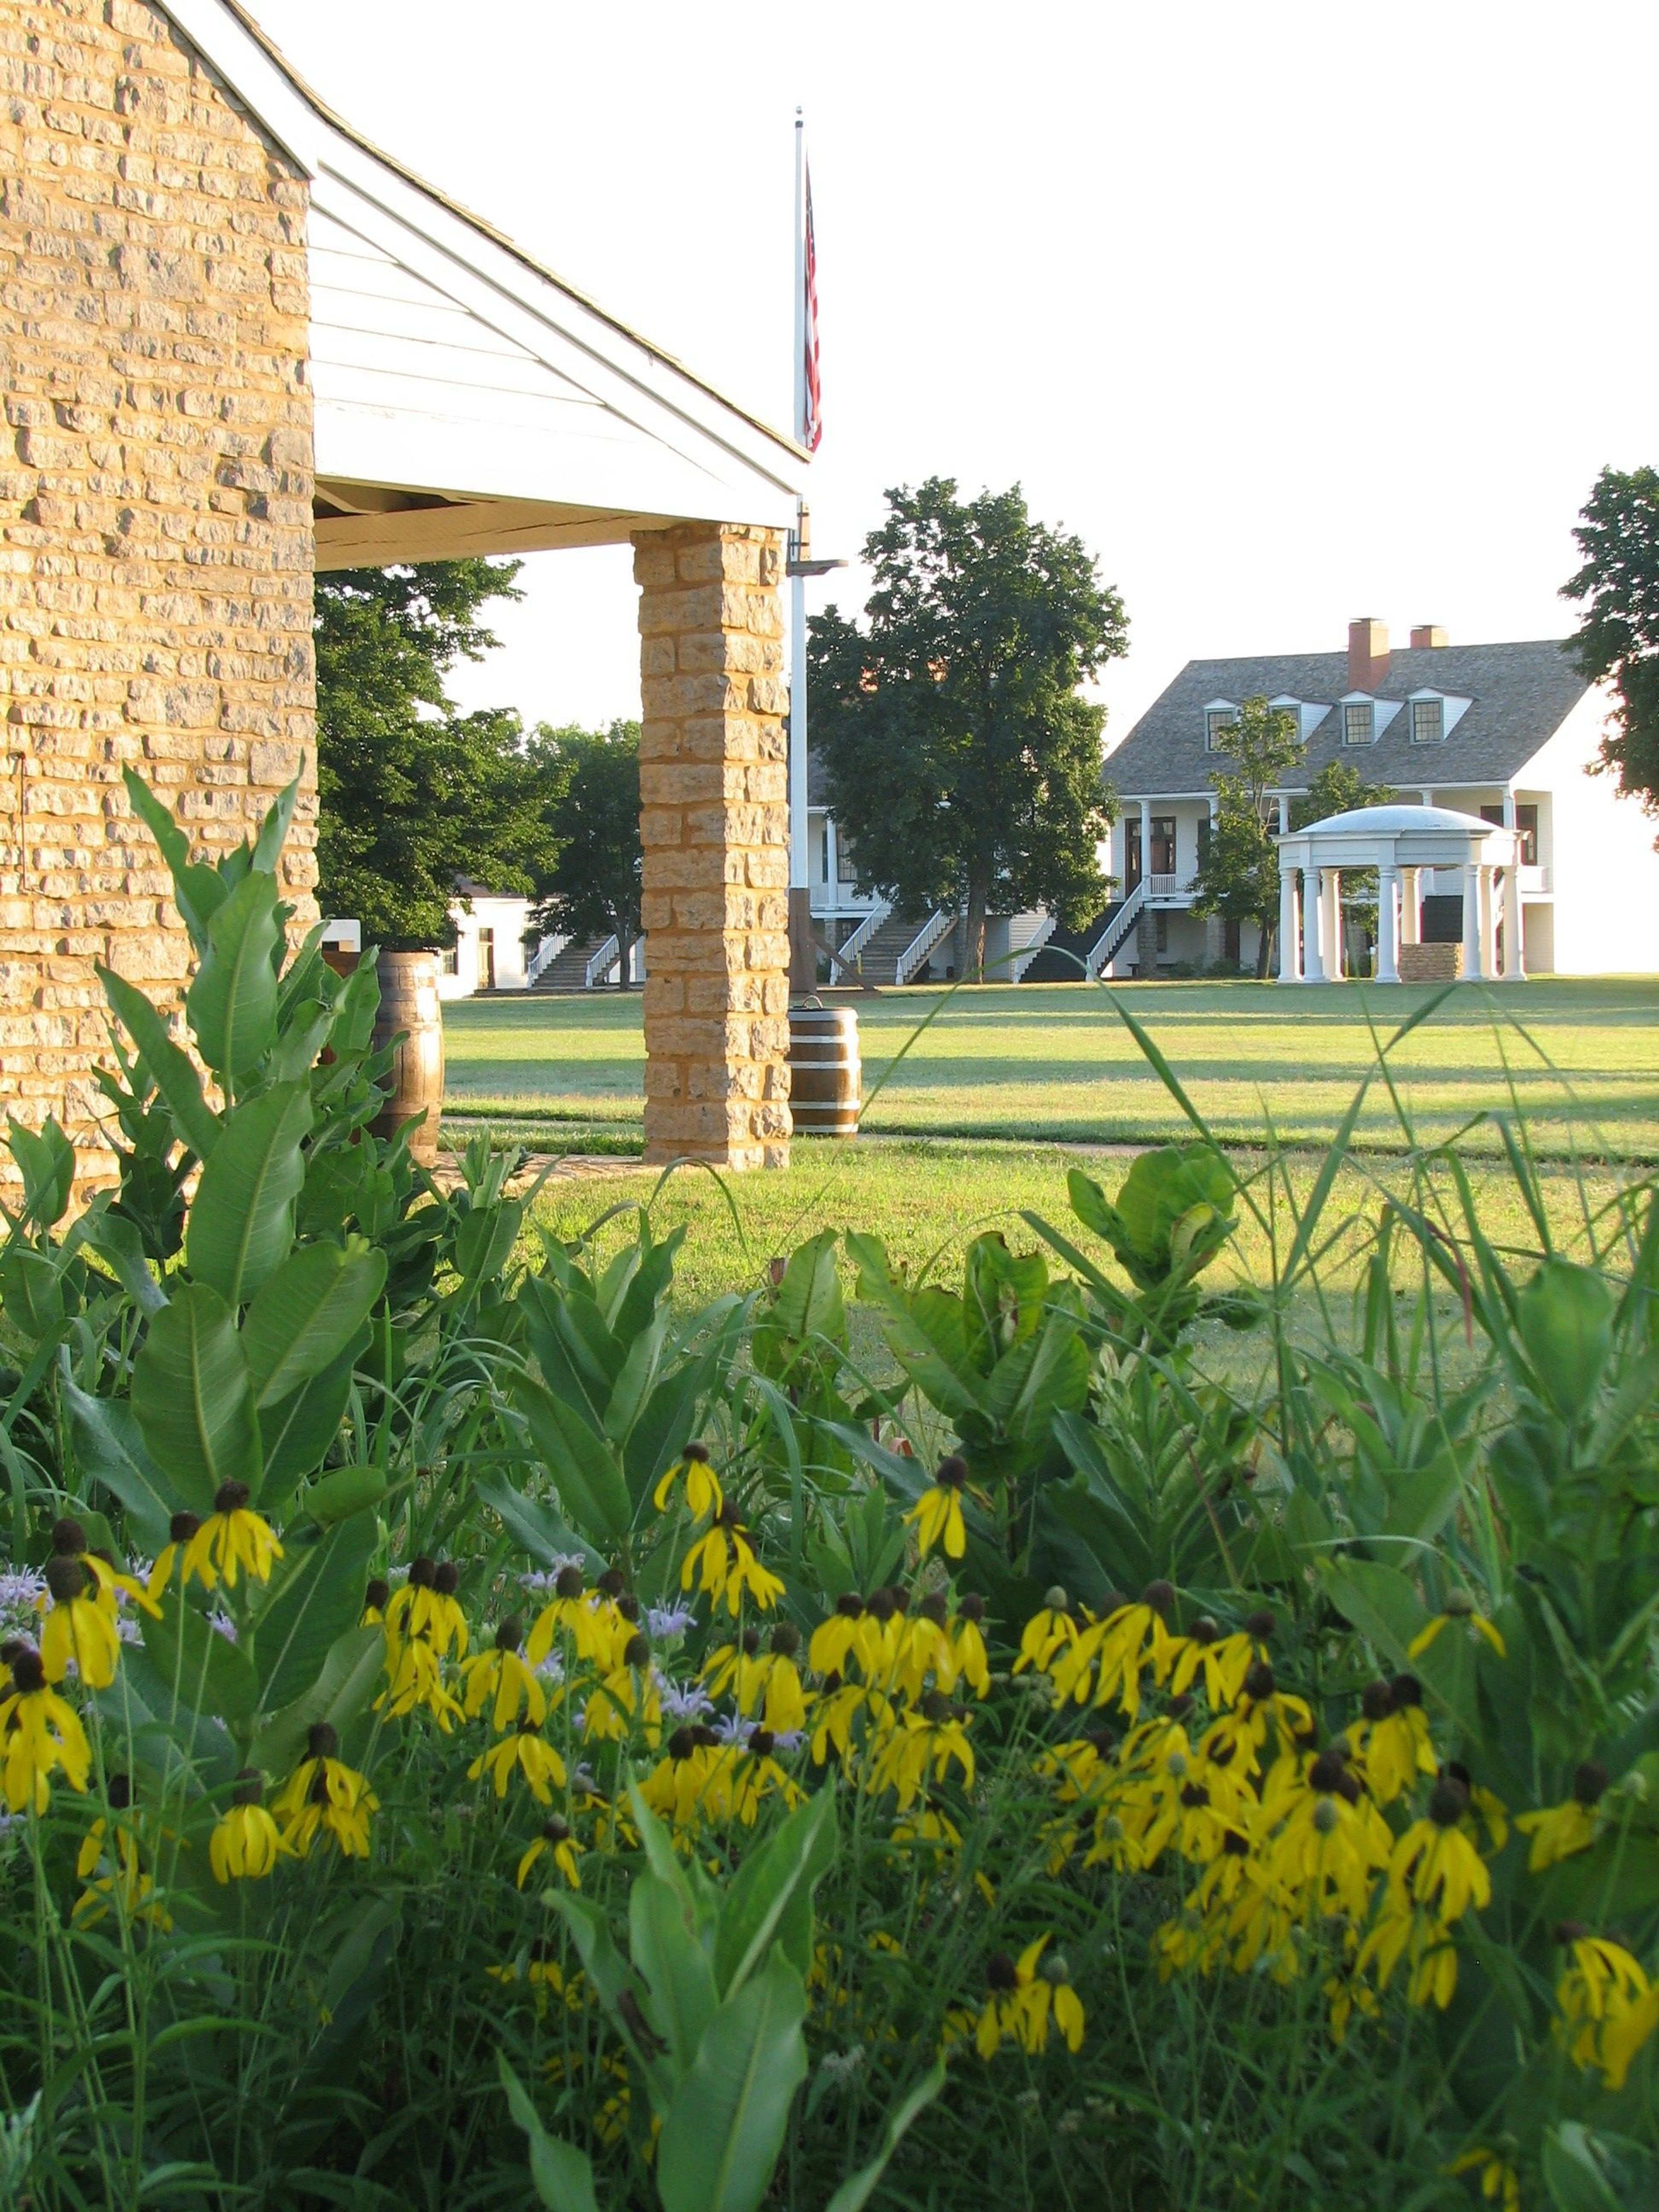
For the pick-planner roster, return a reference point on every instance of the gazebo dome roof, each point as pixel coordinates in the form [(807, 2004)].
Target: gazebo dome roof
[(1396, 821)]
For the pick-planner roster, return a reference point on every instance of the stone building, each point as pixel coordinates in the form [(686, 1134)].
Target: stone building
[(238, 344)]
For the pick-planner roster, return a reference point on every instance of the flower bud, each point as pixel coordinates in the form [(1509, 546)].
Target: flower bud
[(1589, 1782), (569, 1582), (182, 1527), (231, 1497), (1159, 1595), (786, 1640), (67, 1537), (1261, 1624), (510, 1635), (952, 1472), (378, 1594), (322, 1741), (66, 1577), (446, 1579)]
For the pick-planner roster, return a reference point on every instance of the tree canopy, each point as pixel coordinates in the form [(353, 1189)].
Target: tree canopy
[(591, 780), (1238, 870), (1618, 636), (962, 763), (412, 793)]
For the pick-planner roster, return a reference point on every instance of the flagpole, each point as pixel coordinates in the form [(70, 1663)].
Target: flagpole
[(802, 963)]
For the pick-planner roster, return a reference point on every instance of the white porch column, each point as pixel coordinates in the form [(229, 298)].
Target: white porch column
[(1472, 968), (1289, 926), (1283, 814), (1330, 902), (1387, 925), (1312, 911), (1489, 923), (1411, 906), (1515, 948), (1146, 843)]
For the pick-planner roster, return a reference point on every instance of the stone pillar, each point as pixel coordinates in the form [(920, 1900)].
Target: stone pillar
[(1313, 908), (156, 517), (714, 825), (1330, 908), (1515, 956), (1472, 932), (1290, 926), (1387, 925), (1411, 906)]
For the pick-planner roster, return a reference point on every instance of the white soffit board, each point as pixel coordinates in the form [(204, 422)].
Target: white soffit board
[(444, 361)]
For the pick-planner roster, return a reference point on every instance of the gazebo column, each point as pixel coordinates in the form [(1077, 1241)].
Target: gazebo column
[(1411, 906), (1514, 953), (1489, 923), (1472, 930), (1330, 907), (1313, 905), (1290, 926), (714, 826), (1387, 925)]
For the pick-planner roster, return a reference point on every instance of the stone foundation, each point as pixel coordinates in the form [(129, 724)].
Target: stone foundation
[(714, 825), (156, 524), (1431, 963)]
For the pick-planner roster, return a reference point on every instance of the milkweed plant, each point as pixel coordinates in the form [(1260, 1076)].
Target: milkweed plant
[(473, 1727)]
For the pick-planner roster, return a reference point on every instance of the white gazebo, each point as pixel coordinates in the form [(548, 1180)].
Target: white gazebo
[(1459, 853)]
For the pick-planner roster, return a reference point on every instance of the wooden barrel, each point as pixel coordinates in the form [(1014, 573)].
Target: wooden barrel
[(409, 1001), (826, 1082)]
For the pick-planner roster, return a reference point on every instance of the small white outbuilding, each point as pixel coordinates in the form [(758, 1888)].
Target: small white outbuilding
[(1417, 852)]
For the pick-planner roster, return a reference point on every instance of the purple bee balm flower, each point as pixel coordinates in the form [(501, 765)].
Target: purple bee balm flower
[(683, 1701), (666, 1620)]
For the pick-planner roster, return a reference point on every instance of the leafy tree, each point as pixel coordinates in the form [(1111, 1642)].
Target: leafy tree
[(412, 793), (1337, 788), (1238, 874), (1618, 637), (962, 764), (591, 781)]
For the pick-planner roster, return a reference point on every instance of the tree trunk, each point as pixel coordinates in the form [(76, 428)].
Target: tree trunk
[(979, 899), (1264, 951)]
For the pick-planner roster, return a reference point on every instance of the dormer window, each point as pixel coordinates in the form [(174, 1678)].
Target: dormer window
[(1222, 716), (1359, 722), (1428, 721)]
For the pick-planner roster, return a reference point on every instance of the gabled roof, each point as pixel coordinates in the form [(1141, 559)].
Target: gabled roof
[(467, 399), (1520, 695)]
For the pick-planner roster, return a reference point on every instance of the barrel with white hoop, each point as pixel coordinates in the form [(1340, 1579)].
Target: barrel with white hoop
[(826, 1082)]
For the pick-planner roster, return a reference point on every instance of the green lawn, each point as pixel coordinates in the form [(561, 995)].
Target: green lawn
[(1054, 1062)]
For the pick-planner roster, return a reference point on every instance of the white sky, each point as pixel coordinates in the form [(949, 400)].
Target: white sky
[(1293, 311)]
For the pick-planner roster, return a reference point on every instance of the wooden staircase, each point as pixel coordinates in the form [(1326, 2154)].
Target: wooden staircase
[(568, 970)]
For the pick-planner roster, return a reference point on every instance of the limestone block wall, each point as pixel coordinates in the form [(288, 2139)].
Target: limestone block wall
[(714, 825), (155, 526)]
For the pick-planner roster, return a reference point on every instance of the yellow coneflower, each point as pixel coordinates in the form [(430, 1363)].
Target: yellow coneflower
[(41, 1732), (1050, 1630), (110, 1864), (756, 1775), (1022, 1995), (703, 1494), (966, 1634), (834, 1641), (417, 1681), (1607, 2005), (556, 1835), (323, 1796), (500, 1674), (1558, 1831), (1405, 1930), (783, 1701), (629, 1693), (929, 1739), (1500, 2184), (726, 1561), (180, 1530), (691, 1782), (1459, 1606), (245, 1843), (837, 1709), (231, 1538), (1221, 1661), (78, 1628), (937, 1514), (1435, 1863), (1391, 1738), (571, 1611), (376, 1597), (524, 1749), (1334, 1841), (737, 1669)]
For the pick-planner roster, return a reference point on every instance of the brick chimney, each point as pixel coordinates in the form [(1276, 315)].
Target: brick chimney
[(1427, 636), (1368, 654)]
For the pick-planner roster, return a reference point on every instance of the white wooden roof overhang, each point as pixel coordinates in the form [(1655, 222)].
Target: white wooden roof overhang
[(467, 400), (1400, 837)]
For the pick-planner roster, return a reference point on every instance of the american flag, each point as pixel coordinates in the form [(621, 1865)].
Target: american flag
[(811, 422)]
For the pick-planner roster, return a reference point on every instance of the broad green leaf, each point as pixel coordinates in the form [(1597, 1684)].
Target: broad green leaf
[(31, 1290), (786, 1868), (297, 1431), (533, 1524), (110, 1448), (231, 1003), (856, 2191), (170, 1068), (351, 1670), (119, 1244), (318, 1599), (199, 891), (562, 2174), (194, 1401), (205, 1665), (663, 1937), (725, 2128), (1574, 2172), (584, 1470), (307, 1313), (1564, 1319), (343, 1491), (46, 1160), (241, 1226), (273, 831)]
